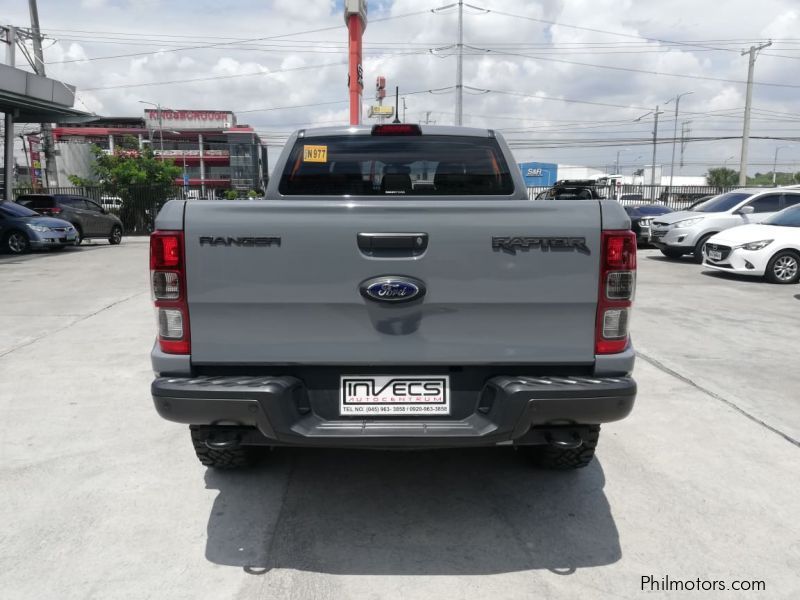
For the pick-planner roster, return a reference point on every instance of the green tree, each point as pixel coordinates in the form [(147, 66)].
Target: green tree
[(722, 177), (252, 194), (766, 179), (231, 194), (140, 180)]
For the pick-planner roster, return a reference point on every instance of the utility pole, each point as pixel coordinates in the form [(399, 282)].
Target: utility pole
[(427, 117), (404, 109), (775, 165), (655, 142), (616, 164), (51, 173), (674, 136), (685, 130), (753, 52), (460, 65), (8, 121)]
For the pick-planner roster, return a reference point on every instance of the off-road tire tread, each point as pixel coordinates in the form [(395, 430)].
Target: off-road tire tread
[(549, 457), (231, 458)]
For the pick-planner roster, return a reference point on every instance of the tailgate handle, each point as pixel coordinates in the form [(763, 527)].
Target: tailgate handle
[(392, 244)]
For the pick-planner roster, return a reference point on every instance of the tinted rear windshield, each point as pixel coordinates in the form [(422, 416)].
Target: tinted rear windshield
[(36, 201), (427, 165)]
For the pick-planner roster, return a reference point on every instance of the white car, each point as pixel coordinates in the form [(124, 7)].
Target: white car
[(770, 249), (111, 202), (685, 232)]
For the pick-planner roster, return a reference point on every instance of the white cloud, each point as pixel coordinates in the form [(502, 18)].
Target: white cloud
[(400, 50)]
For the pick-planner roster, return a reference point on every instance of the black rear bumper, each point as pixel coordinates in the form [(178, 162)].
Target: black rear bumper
[(286, 412)]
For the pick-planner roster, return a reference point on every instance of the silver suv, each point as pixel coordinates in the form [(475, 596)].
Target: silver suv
[(685, 232)]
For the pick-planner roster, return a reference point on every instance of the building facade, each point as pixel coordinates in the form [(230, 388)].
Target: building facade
[(214, 152)]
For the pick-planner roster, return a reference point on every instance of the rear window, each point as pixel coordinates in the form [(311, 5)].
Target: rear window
[(427, 165), (36, 201), (71, 201)]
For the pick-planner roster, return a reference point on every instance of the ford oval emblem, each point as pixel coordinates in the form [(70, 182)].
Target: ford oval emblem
[(394, 289)]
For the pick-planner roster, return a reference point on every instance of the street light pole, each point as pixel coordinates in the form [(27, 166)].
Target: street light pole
[(674, 136), (160, 125)]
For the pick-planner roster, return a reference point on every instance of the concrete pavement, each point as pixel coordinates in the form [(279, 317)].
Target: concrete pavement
[(100, 498)]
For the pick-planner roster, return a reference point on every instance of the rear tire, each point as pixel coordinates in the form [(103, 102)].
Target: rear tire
[(671, 253), (783, 268), (116, 235), (224, 458), (78, 235), (16, 242), (557, 459)]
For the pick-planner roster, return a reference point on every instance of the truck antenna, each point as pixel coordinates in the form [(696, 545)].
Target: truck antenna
[(396, 104)]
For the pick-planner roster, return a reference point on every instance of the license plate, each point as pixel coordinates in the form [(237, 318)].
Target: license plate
[(387, 395), (715, 255)]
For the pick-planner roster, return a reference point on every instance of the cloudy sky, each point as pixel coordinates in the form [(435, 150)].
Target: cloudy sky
[(564, 80)]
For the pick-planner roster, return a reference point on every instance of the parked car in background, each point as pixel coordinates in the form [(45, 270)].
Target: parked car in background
[(89, 218), (111, 203), (641, 216), (686, 231), (22, 229), (632, 197), (573, 189), (770, 249)]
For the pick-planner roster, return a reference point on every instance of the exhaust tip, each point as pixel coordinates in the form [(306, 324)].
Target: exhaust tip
[(564, 440)]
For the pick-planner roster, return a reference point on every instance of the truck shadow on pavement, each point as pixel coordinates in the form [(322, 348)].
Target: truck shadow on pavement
[(445, 512)]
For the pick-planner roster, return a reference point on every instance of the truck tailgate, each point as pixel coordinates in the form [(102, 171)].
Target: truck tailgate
[(298, 300)]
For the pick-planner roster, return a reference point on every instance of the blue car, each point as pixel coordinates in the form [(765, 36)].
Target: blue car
[(22, 229)]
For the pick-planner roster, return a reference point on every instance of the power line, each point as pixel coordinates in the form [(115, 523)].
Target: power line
[(222, 44), (218, 77), (606, 32), (632, 70)]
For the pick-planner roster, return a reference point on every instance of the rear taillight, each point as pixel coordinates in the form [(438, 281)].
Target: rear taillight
[(168, 285), (617, 287), (56, 210)]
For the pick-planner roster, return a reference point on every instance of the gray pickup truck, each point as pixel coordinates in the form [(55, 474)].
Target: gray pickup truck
[(396, 289)]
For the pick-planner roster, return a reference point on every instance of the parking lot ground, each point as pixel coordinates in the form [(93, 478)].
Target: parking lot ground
[(100, 498)]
